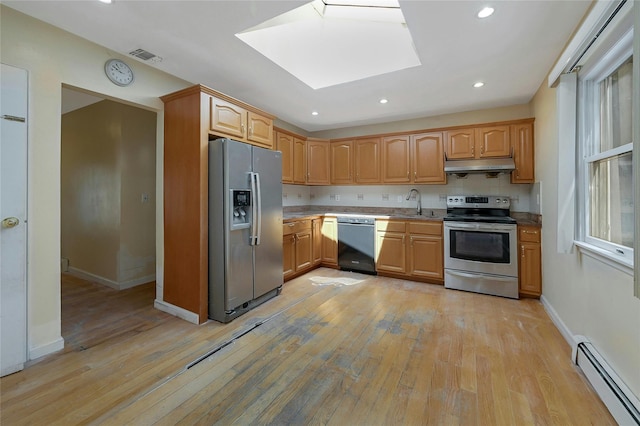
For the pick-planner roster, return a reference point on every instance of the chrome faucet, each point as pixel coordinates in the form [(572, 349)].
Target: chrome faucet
[(419, 205)]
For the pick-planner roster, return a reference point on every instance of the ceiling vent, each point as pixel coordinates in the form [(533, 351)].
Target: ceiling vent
[(145, 55)]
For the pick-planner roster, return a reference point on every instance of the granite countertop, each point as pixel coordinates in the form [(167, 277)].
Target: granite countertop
[(308, 212)]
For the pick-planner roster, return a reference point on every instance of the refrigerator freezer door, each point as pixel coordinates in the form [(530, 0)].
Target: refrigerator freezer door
[(268, 254)]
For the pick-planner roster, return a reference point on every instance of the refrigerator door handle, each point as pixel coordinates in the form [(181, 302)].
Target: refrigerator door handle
[(254, 209), (258, 197)]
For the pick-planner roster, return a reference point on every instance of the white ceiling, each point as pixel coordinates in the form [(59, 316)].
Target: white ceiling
[(511, 51)]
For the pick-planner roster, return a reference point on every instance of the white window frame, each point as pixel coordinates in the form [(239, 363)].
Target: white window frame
[(592, 73)]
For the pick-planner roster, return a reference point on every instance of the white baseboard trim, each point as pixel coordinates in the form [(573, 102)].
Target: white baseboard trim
[(47, 349), (176, 311), (110, 283), (571, 339)]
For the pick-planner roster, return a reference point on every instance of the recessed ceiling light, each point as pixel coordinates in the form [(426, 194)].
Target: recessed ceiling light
[(487, 11), (106, 1), (314, 113), (478, 84), (383, 101)]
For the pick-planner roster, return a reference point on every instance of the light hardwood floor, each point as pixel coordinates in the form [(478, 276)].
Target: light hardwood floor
[(378, 351)]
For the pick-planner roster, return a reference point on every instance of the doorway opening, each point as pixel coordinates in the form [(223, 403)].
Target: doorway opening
[(108, 208)]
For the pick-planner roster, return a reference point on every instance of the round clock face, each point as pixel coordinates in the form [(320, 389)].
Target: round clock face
[(118, 72)]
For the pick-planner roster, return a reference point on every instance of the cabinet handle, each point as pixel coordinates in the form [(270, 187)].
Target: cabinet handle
[(407, 175), (415, 175), (242, 128), (522, 250), (524, 231), (411, 241), (473, 150), (291, 224), (482, 150), (403, 239), (250, 130)]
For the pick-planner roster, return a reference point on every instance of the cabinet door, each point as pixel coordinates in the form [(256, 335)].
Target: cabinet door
[(426, 257), (284, 144), (260, 130), (299, 161), (428, 158), (341, 162), (530, 269), (228, 118), (396, 159), (460, 144), (316, 237), (367, 160), (288, 255), (303, 249), (330, 241), (523, 153), (493, 142), (391, 252), (318, 162)]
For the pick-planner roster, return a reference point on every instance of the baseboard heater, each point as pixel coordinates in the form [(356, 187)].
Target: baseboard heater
[(622, 404)]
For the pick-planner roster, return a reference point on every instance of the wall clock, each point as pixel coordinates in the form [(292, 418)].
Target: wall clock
[(118, 72)]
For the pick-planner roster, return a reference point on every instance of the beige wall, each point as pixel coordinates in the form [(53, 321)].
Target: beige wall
[(590, 298), (108, 162), (514, 112), (54, 57)]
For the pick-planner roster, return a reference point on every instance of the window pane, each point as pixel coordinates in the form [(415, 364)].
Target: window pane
[(615, 108), (611, 199)]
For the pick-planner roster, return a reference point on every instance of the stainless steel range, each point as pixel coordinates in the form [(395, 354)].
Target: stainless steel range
[(480, 245)]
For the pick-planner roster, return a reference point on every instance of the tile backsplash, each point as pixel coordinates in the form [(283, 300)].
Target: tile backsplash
[(394, 196)]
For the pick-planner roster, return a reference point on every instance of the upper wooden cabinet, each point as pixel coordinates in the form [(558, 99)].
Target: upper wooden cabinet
[(523, 153), (367, 160), (230, 119), (342, 162), (493, 141), (428, 158), (460, 143), (299, 161), (318, 166), (479, 142), (284, 144), (396, 159)]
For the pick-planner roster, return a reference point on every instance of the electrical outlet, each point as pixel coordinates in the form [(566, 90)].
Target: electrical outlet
[(385, 197), (399, 198), (332, 196), (337, 197), (360, 196), (144, 198)]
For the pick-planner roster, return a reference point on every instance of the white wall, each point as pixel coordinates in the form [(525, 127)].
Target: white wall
[(589, 297), (54, 57)]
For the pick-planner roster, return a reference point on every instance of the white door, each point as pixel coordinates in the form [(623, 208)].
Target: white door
[(13, 214)]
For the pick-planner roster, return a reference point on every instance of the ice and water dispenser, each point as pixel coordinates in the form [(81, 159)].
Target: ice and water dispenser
[(241, 208)]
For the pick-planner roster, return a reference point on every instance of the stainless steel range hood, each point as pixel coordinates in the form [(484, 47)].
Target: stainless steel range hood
[(483, 165)]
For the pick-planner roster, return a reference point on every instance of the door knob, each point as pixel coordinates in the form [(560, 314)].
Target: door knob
[(10, 222)]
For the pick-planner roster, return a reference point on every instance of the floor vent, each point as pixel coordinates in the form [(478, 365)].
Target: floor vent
[(622, 404)]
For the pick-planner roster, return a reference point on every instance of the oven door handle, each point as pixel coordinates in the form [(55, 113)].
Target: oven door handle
[(479, 226), (475, 275)]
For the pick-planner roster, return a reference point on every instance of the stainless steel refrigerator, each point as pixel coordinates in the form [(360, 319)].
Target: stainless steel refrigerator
[(245, 227)]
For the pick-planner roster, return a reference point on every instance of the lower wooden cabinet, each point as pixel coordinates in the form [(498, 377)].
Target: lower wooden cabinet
[(316, 241), (296, 247), (529, 261), (329, 233), (410, 249), (391, 252)]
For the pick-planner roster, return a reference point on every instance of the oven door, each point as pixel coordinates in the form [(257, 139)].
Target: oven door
[(488, 248)]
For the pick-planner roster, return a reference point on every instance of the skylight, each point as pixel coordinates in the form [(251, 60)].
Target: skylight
[(330, 42)]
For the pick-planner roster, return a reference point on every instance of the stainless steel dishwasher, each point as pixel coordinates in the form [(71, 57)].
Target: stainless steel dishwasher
[(356, 244)]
